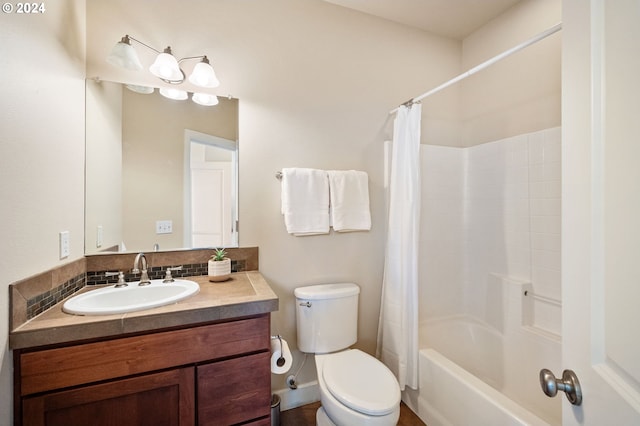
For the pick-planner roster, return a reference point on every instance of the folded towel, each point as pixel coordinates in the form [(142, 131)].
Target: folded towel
[(349, 194), (305, 201)]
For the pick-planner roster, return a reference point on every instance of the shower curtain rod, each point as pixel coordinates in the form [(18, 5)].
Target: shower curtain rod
[(484, 65)]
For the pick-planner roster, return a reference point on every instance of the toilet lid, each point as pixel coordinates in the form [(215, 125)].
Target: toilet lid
[(361, 382)]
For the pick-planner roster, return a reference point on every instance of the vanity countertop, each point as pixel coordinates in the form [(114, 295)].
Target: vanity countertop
[(244, 294)]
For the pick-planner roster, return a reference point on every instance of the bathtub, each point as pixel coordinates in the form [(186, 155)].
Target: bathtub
[(467, 368), (451, 396)]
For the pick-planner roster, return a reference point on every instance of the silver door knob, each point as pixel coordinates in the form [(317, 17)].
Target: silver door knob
[(569, 385)]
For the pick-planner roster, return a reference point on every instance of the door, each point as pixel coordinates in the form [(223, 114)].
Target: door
[(601, 209), (210, 203), (210, 189)]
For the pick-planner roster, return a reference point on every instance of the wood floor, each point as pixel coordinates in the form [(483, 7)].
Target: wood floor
[(306, 415)]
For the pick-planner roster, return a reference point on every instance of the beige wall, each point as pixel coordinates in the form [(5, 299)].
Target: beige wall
[(42, 145), (520, 94)]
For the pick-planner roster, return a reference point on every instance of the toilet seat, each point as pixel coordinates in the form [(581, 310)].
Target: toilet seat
[(361, 382)]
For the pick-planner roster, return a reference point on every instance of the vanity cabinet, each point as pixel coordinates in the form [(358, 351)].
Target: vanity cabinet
[(215, 374)]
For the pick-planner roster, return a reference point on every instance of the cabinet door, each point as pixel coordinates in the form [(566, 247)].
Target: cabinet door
[(165, 398), (234, 391)]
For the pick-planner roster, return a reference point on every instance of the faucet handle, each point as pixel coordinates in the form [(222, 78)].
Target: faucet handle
[(121, 281), (168, 278)]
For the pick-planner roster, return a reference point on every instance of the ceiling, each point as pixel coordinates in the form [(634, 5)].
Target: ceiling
[(449, 18)]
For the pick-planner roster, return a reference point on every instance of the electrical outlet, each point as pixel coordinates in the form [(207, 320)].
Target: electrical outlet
[(164, 227), (65, 245), (99, 236)]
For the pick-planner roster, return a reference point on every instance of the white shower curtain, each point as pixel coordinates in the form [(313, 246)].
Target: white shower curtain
[(398, 325)]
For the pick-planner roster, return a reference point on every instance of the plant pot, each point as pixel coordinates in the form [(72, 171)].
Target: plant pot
[(219, 270)]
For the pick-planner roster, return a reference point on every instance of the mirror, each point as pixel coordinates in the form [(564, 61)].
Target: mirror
[(160, 174)]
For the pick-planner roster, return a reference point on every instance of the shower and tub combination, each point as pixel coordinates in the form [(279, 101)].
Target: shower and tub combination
[(479, 301), (489, 291)]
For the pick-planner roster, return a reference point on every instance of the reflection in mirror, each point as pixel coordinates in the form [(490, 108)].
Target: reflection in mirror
[(160, 173)]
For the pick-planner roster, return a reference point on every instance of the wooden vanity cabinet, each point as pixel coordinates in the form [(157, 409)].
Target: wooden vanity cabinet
[(165, 398), (216, 374)]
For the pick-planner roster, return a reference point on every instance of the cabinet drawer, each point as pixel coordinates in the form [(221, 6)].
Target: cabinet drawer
[(81, 364), (235, 390)]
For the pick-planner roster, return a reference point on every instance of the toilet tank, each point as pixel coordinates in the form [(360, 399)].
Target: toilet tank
[(327, 317)]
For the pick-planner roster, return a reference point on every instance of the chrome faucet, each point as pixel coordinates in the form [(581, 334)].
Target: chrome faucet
[(144, 277)]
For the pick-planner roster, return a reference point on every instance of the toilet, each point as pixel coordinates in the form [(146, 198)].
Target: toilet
[(355, 388)]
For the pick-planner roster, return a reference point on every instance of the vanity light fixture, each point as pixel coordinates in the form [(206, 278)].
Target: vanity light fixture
[(166, 66), (203, 74), (124, 55)]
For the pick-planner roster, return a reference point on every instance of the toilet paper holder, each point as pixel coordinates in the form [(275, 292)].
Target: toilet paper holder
[(280, 361)]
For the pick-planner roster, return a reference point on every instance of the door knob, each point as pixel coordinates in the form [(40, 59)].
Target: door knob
[(569, 384)]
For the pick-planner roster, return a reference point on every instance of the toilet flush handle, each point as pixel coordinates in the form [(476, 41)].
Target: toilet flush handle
[(307, 304)]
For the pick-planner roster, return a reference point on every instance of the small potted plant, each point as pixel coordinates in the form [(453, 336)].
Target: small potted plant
[(219, 266)]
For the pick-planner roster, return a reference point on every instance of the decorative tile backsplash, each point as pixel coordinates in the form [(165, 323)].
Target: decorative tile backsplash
[(32, 296), (40, 303), (158, 272)]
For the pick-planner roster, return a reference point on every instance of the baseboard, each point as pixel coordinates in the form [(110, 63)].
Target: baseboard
[(306, 393)]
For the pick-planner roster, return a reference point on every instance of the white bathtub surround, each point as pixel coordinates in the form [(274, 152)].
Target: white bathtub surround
[(512, 220), (491, 233), (492, 208), (398, 325)]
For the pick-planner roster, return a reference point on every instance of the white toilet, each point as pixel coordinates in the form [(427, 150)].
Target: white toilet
[(355, 388)]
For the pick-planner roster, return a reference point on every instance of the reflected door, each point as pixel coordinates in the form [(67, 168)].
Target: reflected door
[(210, 204), (211, 198), (210, 182)]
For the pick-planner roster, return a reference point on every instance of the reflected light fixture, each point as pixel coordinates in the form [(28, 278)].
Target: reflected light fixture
[(204, 99), (171, 93), (166, 66), (145, 90)]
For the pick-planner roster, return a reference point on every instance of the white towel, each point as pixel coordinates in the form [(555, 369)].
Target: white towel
[(305, 201), (349, 194)]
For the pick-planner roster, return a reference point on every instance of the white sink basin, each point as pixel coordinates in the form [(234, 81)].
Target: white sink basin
[(112, 300)]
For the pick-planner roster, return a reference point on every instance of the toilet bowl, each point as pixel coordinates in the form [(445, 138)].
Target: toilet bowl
[(356, 389)]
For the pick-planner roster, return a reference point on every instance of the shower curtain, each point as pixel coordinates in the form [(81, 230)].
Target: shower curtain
[(398, 324)]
